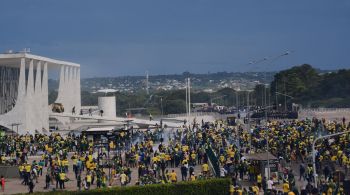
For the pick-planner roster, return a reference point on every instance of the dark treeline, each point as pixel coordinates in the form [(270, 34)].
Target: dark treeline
[(313, 89)]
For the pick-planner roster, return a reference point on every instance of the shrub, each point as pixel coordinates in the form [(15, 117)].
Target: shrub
[(201, 187)]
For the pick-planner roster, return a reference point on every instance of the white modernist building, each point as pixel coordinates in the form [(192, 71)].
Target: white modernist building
[(24, 90)]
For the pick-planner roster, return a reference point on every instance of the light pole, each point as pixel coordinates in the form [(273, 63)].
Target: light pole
[(189, 97), (271, 60), (267, 142), (161, 105), (186, 89), (267, 145), (248, 117), (237, 102), (314, 153), (285, 99)]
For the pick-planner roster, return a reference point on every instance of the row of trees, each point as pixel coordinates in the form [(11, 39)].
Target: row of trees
[(313, 89)]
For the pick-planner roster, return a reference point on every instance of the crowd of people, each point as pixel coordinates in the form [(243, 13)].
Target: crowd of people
[(188, 150)]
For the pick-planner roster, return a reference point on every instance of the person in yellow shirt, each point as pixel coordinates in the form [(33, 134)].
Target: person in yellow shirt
[(173, 176), (59, 162), (65, 164), (90, 157), (205, 169), (344, 160), (104, 180), (255, 189), (111, 146), (259, 180), (285, 187), (330, 191), (123, 179), (82, 159), (21, 170), (88, 179), (238, 190), (334, 158), (28, 167), (232, 189), (192, 177), (155, 159), (222, 158), (193, 158), (75, 161), (43, 156), (62, 177)]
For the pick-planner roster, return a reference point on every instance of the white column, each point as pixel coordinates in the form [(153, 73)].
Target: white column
[(66, 104), (45, 99), (78, 92), (19, 114), (38, 78), (30, 115), (22, 81), (37, 108), (30, 84), (75, 84), (71, 90), (61, 85)]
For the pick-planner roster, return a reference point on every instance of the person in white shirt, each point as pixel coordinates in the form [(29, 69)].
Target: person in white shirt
[(223, 172), (270, 184)]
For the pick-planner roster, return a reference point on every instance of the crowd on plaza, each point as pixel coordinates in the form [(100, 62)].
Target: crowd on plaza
[(187, 150), (291, 142)]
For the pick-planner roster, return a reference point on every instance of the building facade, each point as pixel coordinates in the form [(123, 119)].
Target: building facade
[(24, 90)]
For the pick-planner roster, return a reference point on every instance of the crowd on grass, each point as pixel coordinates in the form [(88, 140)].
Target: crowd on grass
[(186, 150)]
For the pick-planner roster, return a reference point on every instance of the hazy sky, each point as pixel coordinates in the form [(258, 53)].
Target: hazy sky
[(113, 38)]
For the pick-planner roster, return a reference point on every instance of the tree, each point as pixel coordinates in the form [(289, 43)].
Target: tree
[(308, 87), (297, 82)]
